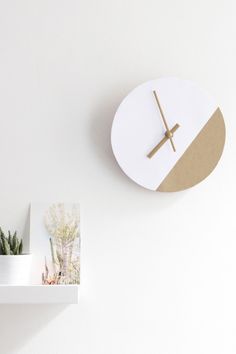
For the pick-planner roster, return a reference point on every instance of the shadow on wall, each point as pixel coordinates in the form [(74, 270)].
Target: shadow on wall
[(19, 323), (101, 130), (26, 233)]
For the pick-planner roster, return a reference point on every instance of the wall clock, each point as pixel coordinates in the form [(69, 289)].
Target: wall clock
[(168, 135)]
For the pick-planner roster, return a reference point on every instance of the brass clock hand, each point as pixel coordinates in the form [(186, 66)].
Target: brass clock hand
[(168, 132), (162, 142)]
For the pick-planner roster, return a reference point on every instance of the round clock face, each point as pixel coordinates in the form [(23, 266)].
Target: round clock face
[(168, 135)]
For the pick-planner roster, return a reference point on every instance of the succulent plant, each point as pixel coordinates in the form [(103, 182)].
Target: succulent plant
[(10, 245)]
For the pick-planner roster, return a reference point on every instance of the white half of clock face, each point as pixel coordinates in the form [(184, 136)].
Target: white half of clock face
[(138, 127)]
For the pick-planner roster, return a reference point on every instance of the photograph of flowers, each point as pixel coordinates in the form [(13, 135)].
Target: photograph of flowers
[(55, 243)]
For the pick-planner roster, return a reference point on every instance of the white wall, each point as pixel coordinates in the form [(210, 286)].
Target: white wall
[(158, 270)]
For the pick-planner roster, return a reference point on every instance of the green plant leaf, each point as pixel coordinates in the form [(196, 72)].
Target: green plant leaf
[(14, 243), (21, 246), (6, 247), (10, 239)]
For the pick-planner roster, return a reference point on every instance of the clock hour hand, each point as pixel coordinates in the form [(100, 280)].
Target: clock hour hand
[(162, 142), (168, 132)]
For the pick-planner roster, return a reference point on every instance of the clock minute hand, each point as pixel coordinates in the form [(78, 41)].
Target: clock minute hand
[(168, 132), (162, 142)]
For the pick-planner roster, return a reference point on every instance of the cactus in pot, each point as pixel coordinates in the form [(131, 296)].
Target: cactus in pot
[(13, 270), (10, 245)]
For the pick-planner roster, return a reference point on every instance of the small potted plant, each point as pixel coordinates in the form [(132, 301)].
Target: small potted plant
[(14, 265)]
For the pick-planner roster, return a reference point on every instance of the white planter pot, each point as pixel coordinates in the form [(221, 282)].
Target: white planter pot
[(15, 270)]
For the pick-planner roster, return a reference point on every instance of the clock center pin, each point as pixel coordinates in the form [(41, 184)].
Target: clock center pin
[(169, 134)]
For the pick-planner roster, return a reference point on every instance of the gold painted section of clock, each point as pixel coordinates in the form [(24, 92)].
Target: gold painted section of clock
[(200, 158)]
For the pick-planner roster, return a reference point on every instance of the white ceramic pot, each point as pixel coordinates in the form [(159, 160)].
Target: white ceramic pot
[(15, 270)]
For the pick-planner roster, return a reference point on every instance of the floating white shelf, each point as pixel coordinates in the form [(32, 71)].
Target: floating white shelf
[(39, 294)]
